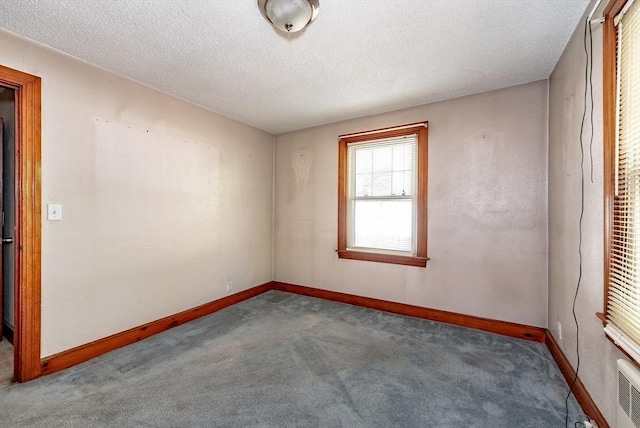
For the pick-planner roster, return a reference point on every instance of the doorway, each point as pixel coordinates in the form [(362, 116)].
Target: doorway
[(7, 220), (27, 238)]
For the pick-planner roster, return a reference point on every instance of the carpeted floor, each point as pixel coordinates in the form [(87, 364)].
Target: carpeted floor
[(286, 360), (6, 363)]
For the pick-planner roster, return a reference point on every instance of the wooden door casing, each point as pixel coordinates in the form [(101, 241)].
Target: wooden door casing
[(27, 238), (1, 211)]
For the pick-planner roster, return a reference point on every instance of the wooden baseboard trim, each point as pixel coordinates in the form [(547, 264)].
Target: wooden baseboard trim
[(91, 350), (7, 332), (504, 328), (579, 390)]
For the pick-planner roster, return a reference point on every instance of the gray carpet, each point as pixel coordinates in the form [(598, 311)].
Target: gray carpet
[(6, 363), (286, 360)]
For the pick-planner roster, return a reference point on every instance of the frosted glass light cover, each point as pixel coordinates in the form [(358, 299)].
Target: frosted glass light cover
[(289, 16)]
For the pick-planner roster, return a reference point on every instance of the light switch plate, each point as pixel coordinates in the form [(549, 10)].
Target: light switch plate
[(54, 212)]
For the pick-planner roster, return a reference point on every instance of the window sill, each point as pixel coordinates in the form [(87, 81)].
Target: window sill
[(383, 258), (619, 340)]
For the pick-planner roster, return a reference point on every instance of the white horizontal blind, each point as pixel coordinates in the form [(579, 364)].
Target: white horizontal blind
[(382, 194), (623, 308)]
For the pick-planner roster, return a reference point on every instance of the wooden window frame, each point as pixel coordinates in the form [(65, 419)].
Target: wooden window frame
[(610, 57), (420, 259), (609, 60)]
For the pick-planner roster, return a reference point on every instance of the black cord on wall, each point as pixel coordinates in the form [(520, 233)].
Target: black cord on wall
[(590, 63), (588, 96)]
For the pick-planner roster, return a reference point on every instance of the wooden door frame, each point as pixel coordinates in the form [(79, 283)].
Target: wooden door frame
[(1, 227), (27, 239)]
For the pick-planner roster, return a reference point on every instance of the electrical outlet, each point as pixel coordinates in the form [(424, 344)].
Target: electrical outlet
[(229, 285), (588, 423), (559, 330)]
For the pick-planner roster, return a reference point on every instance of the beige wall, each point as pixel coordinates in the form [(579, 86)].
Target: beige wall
[(132, 248), (487, 233), (566, 103), (162, 201)]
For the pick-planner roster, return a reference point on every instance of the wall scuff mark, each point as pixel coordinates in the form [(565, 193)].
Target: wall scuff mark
[(301, 160)]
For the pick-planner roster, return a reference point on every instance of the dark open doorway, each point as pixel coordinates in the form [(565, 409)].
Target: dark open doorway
[(7, 220)]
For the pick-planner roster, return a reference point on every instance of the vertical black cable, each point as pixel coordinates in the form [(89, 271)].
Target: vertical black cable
[(590, 62), (588, 87)]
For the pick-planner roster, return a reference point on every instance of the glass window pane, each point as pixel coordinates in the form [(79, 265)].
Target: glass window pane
[(382, 184), (402, 157), (363, 161), (385, 225), (363, 184), (382, 159), (402, 183)]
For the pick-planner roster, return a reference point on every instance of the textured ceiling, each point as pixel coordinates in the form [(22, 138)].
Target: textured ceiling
[(359, 57)]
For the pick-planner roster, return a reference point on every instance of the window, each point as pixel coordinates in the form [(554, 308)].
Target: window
[(382, 196), (622, 174)]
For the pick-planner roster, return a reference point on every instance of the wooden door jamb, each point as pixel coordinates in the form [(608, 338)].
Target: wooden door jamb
[(28, 202)]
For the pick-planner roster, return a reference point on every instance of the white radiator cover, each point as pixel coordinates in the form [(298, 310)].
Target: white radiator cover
[(628, 409)]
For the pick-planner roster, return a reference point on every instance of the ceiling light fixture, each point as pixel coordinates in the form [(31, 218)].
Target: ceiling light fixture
[(289, 16)]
